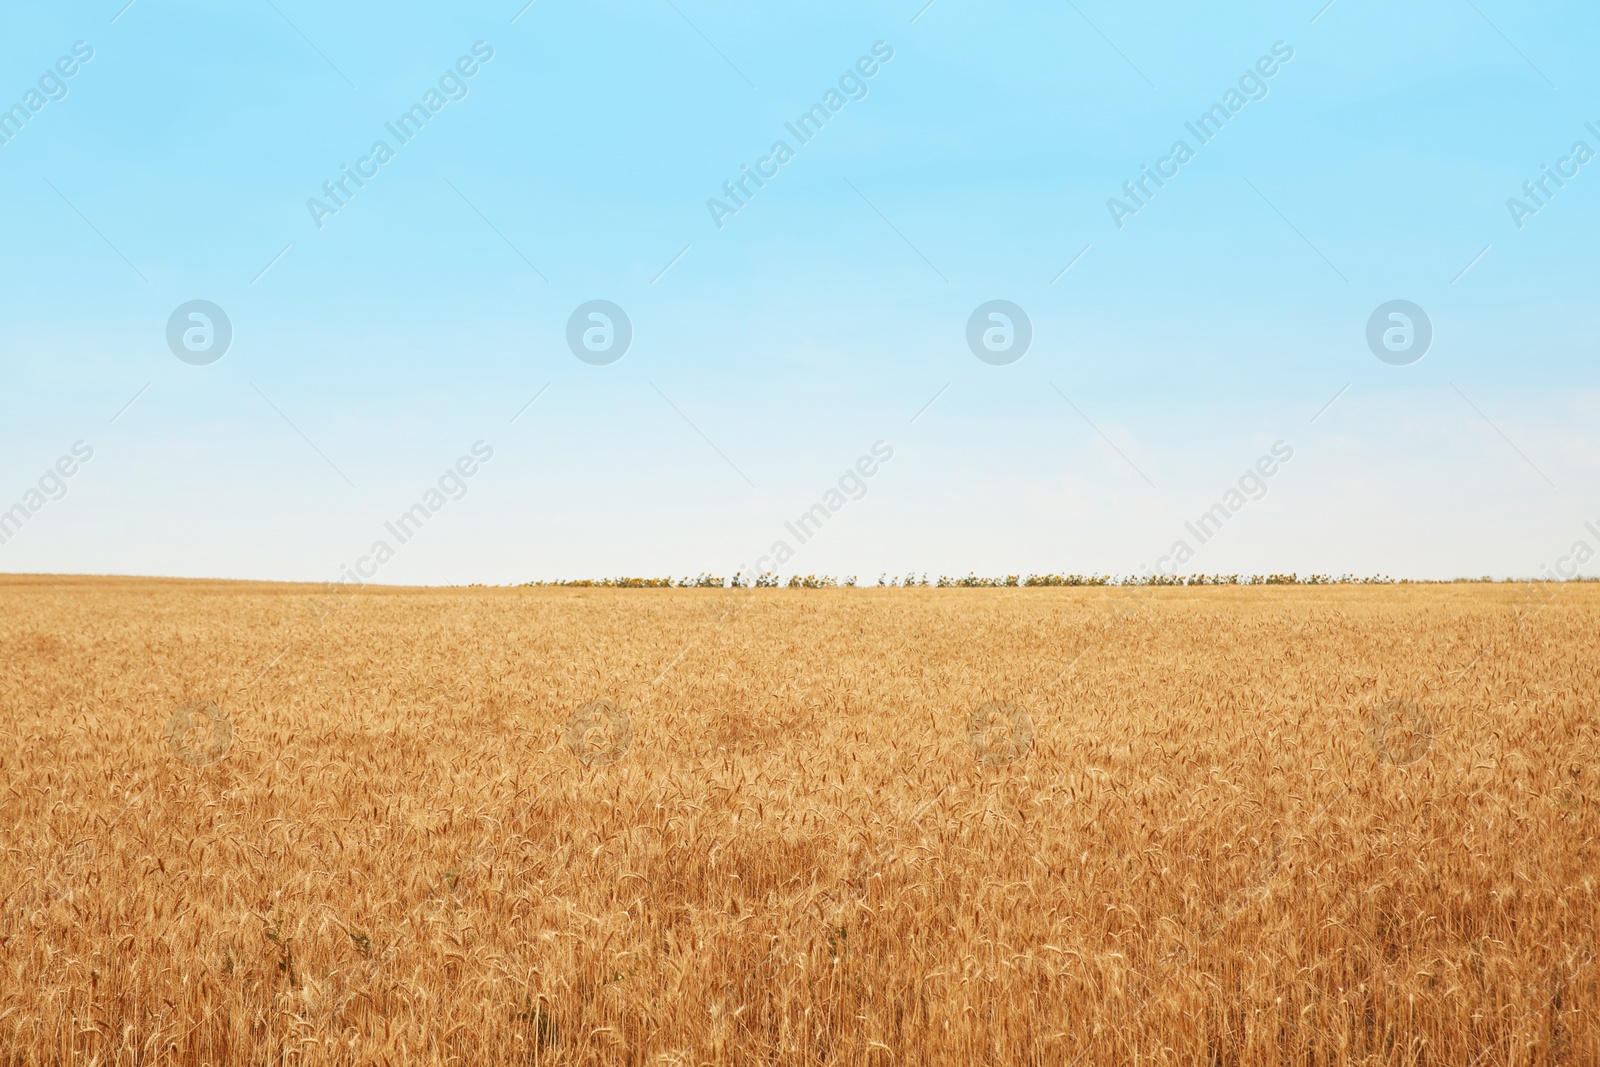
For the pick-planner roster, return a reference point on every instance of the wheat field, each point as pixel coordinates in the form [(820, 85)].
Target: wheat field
[(1252, 825)]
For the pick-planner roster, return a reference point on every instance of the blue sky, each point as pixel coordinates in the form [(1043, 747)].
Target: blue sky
[(769, 354)]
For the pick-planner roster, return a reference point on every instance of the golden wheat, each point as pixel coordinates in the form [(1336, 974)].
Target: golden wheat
[(1257, 825)]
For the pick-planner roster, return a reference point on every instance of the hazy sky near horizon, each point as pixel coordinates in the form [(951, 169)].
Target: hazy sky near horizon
[(1188, 332)]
